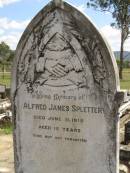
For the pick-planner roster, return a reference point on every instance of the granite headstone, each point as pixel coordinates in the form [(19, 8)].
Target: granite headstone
[(64, 94)]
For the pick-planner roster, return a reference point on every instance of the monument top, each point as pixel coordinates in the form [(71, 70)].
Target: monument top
[(58, 2)]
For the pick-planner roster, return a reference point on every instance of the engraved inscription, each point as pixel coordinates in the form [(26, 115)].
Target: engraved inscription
[(64, 90)]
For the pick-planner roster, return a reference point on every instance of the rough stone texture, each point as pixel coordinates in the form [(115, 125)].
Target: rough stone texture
[(64, 95)]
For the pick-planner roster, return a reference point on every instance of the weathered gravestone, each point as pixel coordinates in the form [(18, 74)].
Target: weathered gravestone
[(64, 92)]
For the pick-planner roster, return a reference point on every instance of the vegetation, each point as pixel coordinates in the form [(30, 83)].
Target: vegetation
[(5, 78), (6, 58), (6, 54), (126, 64), (6, 129), (120, 10), (125, 82)]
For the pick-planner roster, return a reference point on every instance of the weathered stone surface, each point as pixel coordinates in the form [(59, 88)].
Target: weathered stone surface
[(64, 94)]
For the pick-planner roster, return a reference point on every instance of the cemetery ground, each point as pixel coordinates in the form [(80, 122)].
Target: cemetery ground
[(6, 154), (125, 83)]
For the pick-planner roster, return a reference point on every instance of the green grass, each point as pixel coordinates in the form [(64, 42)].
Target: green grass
[(125, 82), (6, 129), (5, 79)]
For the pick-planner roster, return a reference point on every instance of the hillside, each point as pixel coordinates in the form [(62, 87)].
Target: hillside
[(126, 55)]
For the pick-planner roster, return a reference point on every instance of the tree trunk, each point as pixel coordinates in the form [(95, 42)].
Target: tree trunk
[(121, 56)]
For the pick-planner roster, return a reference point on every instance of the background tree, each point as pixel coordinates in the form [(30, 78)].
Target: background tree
[(120, 10), (6, 56)]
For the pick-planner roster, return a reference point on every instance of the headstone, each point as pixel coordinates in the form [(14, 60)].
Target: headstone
[(64, 95), (127, 132)]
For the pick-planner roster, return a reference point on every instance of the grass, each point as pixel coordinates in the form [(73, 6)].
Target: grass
[(5, 79), (125, 82), (6, 129)]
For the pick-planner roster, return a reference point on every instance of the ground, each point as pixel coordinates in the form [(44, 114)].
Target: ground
[(6, 154)]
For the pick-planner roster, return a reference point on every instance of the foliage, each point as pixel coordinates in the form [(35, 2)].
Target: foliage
[(126, 64), (6, 58), (6, 54), (6, 129), (118, 62), (120, 10), (4, 50)]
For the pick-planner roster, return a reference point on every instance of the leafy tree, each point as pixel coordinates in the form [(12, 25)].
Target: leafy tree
[(126, 64), (11, 56), (120, 10), (118, 62), (6, 56)]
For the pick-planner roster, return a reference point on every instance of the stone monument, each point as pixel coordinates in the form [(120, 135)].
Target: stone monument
[(65, 96)]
